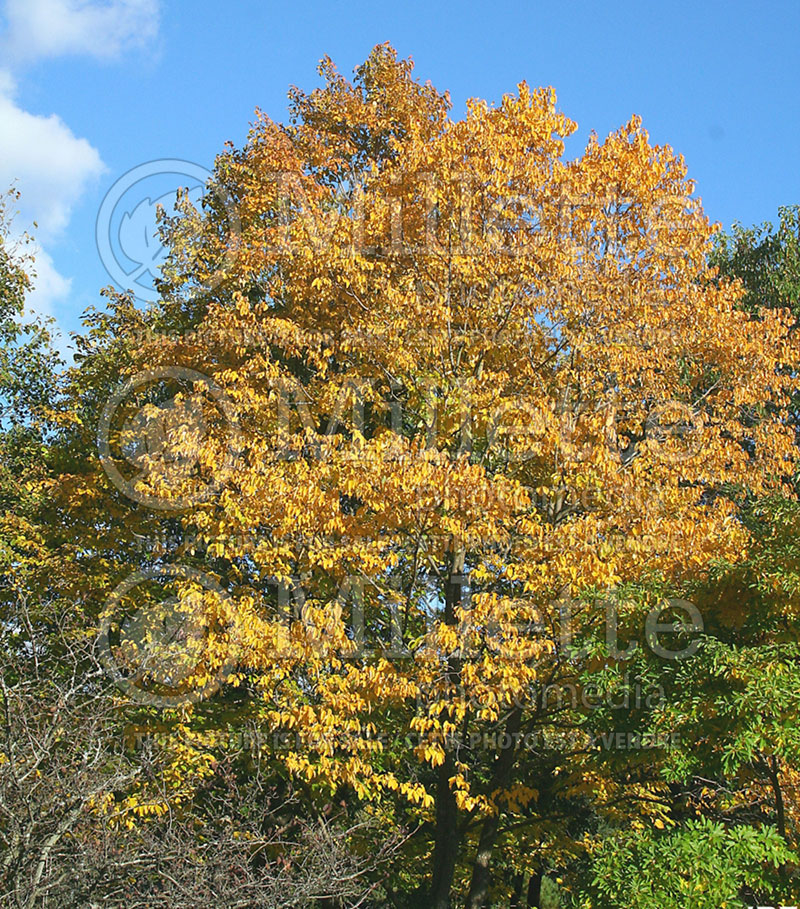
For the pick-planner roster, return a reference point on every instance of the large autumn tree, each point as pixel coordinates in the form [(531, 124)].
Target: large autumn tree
[(427, 404)]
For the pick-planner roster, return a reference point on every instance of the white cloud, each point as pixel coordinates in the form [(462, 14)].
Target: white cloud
[(51, 167), (49, 287), (40, 155), (50, 28), (47, 162)]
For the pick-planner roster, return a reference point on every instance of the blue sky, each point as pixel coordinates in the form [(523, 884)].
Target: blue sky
[(90, 90)]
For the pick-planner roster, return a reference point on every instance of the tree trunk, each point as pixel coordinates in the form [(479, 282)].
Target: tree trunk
[(773, 769), (516, 896), (445, 851), (479, 886), (446, 839), (535, 891), (780, 810)]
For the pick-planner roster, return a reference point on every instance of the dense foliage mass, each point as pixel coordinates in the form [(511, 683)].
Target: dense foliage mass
[(431, 541)]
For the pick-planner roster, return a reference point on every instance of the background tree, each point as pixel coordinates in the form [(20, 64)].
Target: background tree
[(765, 258), (733, 707)]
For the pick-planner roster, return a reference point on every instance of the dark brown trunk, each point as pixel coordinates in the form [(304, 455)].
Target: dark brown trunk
[(481, 871), (445, 850), (773, 769), (479, 886), (780, 810), (535, 891), (446, 838), (516, 896)]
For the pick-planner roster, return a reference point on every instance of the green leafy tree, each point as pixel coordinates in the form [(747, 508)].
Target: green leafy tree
[(702, 865), (766, 259)]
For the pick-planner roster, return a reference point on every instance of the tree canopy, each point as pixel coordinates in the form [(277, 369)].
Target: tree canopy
[(449, 492)]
